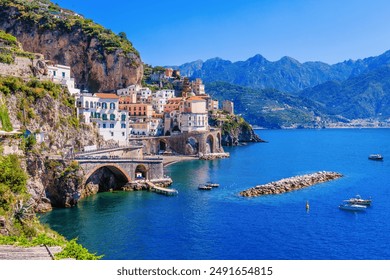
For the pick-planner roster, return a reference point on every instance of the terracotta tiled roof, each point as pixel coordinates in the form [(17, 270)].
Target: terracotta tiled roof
[(195, 98), (107, 95)]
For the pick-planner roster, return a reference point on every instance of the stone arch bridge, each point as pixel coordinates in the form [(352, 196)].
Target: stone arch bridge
[(124, 169), (190, 143)]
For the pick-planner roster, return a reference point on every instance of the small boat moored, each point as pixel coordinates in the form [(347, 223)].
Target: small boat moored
[(204, 187), (375, 157), (358, 200), (213, 185), (353, 207)]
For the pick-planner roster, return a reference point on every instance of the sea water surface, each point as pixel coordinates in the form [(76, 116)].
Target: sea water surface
[(219, 224)]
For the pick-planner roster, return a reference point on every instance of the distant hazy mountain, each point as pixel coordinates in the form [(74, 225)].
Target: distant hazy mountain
[(287, 93), (363, 96), (286, 74), (269, 107)]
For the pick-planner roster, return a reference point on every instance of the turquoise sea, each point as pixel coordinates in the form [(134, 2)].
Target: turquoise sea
[(219, 224)]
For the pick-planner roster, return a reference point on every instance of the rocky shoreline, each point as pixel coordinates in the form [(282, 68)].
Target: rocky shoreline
[(142, 185), (291, 184)]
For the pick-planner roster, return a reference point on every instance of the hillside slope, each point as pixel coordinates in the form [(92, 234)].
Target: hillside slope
[(364, 96), (270, 108)]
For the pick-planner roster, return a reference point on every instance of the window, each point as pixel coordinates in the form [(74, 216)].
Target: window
[(104, 117), (63, 74), (98, 104), (86, 104), (97, 115), (111, 125), (123, 134), (112, 134), (123, 125), (104, 125), (123, 117), (91, 104), (54, 73), (112, 117), (112, 106), (104, 105)]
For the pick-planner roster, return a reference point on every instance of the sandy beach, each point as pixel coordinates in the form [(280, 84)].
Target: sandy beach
[(168, 160)]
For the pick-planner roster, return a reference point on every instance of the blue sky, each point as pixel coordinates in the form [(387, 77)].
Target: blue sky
[(174, 32)]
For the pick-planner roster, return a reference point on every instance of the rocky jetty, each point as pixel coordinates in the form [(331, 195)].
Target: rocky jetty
[(214, 156), (291, 184)]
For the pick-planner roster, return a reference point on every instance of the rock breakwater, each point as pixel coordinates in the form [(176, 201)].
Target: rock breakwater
[(291, 184), (214, 156)]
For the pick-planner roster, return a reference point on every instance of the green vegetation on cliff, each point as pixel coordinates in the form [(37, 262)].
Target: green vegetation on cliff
[(50, 16), (22, 227), (268, 108), (5, 122), (9, 48), (39, 106), (12, 183)]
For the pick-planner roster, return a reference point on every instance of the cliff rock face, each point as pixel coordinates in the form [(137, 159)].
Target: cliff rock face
[(235, 130), (94, 66), (240, 134)]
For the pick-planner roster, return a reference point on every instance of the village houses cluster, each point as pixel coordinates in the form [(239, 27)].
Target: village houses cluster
[(137, 111)]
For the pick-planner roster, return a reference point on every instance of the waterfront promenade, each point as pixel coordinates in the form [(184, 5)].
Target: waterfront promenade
[(168, 160), (8, 252)]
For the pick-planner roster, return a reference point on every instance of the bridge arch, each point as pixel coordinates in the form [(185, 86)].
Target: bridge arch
[(107, 176), (162, 145), (141, 172)]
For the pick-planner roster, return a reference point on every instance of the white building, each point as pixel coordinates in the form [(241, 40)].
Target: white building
[(160, 99), (61, 74), (144, 95), (193, 122), (164, 93), (156, 126), (193, 115), (130, 90), (103, 109)]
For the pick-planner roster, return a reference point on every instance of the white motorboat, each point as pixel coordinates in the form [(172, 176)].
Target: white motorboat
[(353, 207), (358, 200), (375, 157)]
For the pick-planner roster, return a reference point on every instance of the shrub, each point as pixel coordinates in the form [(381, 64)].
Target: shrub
[(76, 251), (4, 117), (12, 175), (6, 58)]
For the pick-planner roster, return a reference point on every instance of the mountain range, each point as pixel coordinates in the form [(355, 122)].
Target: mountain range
[(287, 93)]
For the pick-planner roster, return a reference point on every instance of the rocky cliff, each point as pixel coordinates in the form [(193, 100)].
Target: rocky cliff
[(46, 113), (100, 60), (235, 130)]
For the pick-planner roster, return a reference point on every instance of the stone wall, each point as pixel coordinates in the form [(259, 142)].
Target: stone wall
[(24, 67), (192, 143), (154, 169)]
